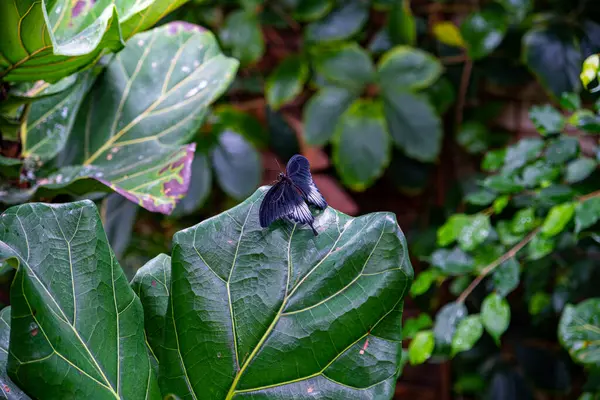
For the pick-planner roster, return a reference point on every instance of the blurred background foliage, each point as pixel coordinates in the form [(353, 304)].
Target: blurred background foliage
[(466, 118)]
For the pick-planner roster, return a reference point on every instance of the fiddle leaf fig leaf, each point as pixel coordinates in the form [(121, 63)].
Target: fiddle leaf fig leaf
[(151, 283), (131, 130), (75, 320), (279, 312), (51, 119), (9, 389), (48, 40), (579, 331)]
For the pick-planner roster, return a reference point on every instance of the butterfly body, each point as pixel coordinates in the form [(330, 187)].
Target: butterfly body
[(289, 198)]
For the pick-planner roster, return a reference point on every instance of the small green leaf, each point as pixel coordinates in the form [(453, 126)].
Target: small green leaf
[(242, 34), (570, 101), (562, 150), (459, 284), (481, 197), (521, 153), (483, 31), (493, 160), (421, 347), (506, 235), (524, 221), (312, 10), (558, 218), (579, 331), (404, 68), (505, 184), (475, 233), (495, 315), (286, 81), (587, 213), (467, 333), (322, 113), (401, 23), (538, 302), (579, 169), (412, 326), (474, 137), (540, 247), (446, 321), (342, 23), (347, 65), (554, 58), (452, 262), (237, 165), (413, 124), (539, 173), (361, 145), (449, 232), (423, 282), (500, 203), (547, 119), (449, 34), (506, 277), (590, 69)]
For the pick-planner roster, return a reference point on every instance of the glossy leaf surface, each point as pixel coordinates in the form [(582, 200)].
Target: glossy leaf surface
[(76, 325), (49, 40), (579, 331), (130, 131), (279, 313), (7, 387)]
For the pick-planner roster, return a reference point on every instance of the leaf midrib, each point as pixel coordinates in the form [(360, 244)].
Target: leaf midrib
[(232, 390)]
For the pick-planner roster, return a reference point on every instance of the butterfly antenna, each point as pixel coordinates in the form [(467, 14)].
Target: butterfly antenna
[(279, 166)]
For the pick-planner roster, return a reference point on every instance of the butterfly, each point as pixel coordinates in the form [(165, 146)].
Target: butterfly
[(290, 197)]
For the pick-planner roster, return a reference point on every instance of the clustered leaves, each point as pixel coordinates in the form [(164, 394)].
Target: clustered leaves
[(537, 210), (123, 124)]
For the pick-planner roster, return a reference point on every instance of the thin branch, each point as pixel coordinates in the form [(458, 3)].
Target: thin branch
[(505, 257), (511, 253), (462, 94)]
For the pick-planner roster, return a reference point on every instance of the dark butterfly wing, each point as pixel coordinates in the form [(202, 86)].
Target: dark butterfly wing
[(283, 201), (298, 170)]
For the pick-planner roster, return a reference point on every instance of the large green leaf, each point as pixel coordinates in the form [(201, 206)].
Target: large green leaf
[(414, 125), (405, 67), (151, 283), (76, 325), (322, 112), (554, 57), (8, 389), (361, 145), (286, 81), (51, 119), (279, 313), (348, 66), (49, 40), (130, 131), (579, 331)]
